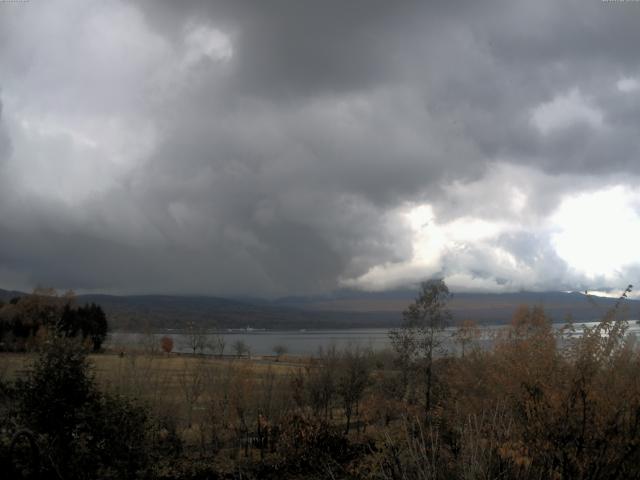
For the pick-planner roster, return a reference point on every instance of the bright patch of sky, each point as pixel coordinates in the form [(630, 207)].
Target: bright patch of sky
[(598, 233)]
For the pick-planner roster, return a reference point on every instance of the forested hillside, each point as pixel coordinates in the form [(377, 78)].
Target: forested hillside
[(342, 309)]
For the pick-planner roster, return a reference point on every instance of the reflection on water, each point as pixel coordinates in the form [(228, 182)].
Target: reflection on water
[(307, 342)]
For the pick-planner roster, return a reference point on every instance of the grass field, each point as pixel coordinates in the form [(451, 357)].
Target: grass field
[(184, 387), (12, 365)]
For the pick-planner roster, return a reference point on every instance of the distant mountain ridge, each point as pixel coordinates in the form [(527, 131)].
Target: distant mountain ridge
[(482, 307), (340, 309), (6, 295)]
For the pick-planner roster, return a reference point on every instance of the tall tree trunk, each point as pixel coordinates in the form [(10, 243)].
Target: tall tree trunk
[(348, 415), (428, 381)]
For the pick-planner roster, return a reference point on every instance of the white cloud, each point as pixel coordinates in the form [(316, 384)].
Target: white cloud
[(467, 230), (432, 242), (564, 111), (204, 42), (589, 238), (628, 85)]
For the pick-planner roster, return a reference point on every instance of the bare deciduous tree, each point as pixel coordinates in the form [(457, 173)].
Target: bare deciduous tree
[(196, 338), (192, 383), (419, 337), (321, 382), (241, 348), (466, 334), (353, 380), (217, 344)]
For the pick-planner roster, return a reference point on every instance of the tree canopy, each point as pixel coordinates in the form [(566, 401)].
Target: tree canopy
[(25, 320)]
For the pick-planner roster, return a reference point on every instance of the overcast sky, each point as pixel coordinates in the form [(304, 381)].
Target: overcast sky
[(293, 147)]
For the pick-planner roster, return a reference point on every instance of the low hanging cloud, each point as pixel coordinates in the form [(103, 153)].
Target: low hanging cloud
[(250, 148)]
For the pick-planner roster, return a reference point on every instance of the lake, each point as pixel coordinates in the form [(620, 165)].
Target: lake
[(307, 342)]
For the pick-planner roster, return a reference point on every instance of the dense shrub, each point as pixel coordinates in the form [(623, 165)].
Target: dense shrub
[(87, 322), (82, 432)]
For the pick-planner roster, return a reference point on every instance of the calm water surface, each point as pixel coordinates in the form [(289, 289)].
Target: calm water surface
[(307, 342)]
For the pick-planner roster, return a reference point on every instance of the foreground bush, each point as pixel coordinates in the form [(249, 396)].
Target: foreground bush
[(81, 432)]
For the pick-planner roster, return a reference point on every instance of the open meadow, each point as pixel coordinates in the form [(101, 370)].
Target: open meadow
[(177, 384)]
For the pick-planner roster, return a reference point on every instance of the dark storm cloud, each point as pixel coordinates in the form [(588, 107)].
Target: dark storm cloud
[(5, 141), (289, 48), (272, 147)]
